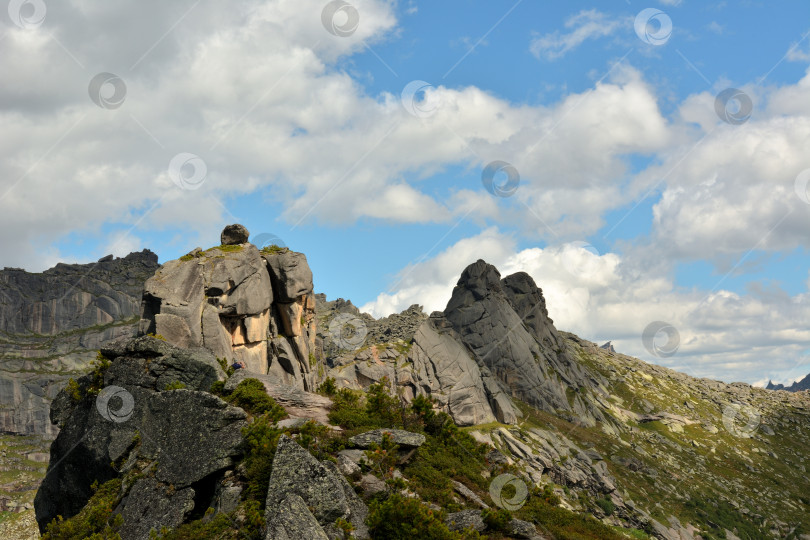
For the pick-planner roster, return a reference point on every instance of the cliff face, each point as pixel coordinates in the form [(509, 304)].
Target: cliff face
[(249, 307), (51, 325)]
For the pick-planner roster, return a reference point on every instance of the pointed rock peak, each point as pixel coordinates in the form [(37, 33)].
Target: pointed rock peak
[(479, 278), (234, 234)]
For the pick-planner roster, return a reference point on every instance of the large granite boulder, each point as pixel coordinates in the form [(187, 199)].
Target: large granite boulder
[(234, 234), (128, 415), (291, 275), (321, 487)]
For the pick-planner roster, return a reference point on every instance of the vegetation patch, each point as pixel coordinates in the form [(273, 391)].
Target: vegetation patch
[(95, 521)]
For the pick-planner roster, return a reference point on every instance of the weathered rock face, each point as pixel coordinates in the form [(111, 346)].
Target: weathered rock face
[(486, 321), (134, 418), (494, 341), (51, 325), (445, 370), (249, 307), (320, 486)]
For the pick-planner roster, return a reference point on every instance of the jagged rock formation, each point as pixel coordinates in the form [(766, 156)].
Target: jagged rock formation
[(51, 325), (98, 434), (797, 386), (494, 341), (246, 306), (633, 444)]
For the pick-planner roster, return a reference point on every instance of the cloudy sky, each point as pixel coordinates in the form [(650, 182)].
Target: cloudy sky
[(647, 164)]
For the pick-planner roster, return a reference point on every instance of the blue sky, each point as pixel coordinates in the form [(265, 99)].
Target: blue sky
[(636, 201)]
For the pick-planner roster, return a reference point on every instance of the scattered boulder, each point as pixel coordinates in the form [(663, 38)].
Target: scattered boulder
[(466, 519), (322, 489), (404, 439), (234, 234)]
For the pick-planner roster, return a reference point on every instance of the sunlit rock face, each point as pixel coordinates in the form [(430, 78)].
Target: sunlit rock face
[(249, 307)]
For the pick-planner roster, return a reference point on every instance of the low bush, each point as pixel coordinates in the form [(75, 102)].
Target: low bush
[(95, 521)]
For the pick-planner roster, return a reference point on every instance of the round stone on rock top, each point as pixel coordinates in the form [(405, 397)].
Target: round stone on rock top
[(234, 234)]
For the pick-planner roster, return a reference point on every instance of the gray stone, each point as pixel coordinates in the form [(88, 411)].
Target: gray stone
[(523, 529), (177, 421), (404, 439), (150, 505), (466, 519), (291, 275), (292, 520), (234, 234), (320, 485), (371, 485)]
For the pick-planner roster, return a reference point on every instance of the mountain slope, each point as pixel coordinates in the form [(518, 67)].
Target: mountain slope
[(51, 325)]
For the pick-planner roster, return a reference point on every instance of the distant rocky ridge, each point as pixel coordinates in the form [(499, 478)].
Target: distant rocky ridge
[(492, 343), (52, 324), (797, 386)]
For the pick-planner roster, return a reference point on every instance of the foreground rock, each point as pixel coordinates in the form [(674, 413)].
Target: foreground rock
[(319, 486), (128, 417)]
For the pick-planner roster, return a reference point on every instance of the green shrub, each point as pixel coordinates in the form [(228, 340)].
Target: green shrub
[(496, 520), (260, 439), (74, 390), (404, 518), (95, 521), (251, 395), (606, 505), (564, 524), (218, 388), (175, 385), (328, 387)]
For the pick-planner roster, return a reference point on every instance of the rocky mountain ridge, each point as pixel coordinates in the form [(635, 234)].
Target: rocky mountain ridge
[(604, 445), (797, 386), (52, 324)]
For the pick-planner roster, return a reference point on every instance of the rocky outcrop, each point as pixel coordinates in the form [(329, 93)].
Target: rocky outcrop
[(494, 341), (251, 308), (110, 425), (51, 325), (298, 478)]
